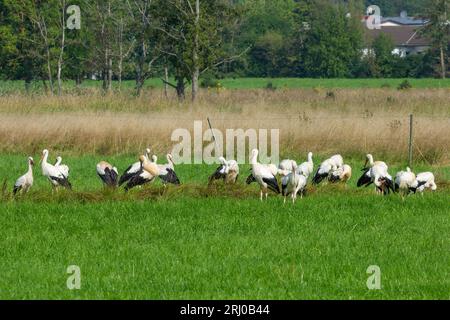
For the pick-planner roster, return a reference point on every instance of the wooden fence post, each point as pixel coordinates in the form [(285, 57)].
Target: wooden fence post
[(410, 158)]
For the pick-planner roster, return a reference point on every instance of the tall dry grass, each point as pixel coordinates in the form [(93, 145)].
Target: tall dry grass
[(349, 121)]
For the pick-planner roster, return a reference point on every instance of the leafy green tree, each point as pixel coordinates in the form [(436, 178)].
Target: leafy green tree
[(268, 27), (391, 8), (438, 29), (383, 46), (267, 55), (194, 45), (334, 41)]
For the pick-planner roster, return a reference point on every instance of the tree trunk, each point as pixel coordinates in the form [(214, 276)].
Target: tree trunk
[(110, 74), (49, 70), (78, 80), (443, 70), (166, 78), (107, 72), (44, 34), (139, 85), (196, 67), (59, 77), (140, 72), (119, 76), (107, 69), (180, 88), (61, 51)]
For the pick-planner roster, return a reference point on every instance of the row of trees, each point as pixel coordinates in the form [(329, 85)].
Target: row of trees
[(319, 39), (183, 40), (118, 39)]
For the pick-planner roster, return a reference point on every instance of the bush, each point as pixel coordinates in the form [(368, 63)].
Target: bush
[(209, 83), (330, 95), (404, 85), (270, 86)]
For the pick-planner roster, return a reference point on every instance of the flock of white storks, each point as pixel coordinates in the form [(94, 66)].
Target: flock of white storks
[(293, 177)]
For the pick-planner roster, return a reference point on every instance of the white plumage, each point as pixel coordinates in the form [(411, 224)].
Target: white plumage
[(107, 173), (342, 174), (147, 173), (62, 167), (228, 171), (376, 173), (55, 175), (264, 175), (287, 164), (306, 168), (166, 171), (327, 167), (292, 184), (133, 169), (405, 181), (58, 161), (337, 161), (425, 180), (25, 182)]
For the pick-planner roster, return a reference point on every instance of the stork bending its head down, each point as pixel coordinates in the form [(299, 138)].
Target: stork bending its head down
[(228, 171), (425, 180), (108, 174), (376, 173), (405, 181), (341, 174), (133, 169), (327, 167), (147, 173)]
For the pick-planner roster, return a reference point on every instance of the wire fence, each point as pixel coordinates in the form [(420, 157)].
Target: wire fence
[(299, 117)]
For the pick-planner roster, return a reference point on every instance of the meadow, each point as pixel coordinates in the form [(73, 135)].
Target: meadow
[(220, 242), (16, 86)]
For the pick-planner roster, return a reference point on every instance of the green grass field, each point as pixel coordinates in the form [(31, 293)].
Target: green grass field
[(194, 242), (7, 87)]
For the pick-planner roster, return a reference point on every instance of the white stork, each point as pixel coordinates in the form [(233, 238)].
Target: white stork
[(306, 168), (342, 174), (147, 173), (25, 182), (405, 181), (376, 173), (264, 175), (425, 180), (285, 166), (54, 174), (62, 167), (292, 184), (107, 173), (228, 171), (58, 161), (166, 171), (327, 167), (133, 169)]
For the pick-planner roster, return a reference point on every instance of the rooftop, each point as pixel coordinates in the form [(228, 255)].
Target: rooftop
[(410, 21), (405, 35)]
